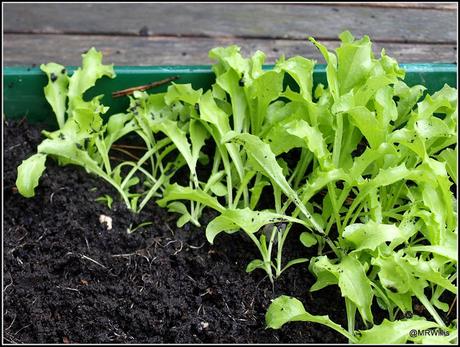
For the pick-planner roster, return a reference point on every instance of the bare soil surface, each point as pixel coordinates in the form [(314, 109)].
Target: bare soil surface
[(69, 279)]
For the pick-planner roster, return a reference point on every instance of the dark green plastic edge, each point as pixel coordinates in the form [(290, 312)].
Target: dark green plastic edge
[(23, 86)]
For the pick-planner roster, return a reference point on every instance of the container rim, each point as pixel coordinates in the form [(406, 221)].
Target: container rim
[(408, 67)]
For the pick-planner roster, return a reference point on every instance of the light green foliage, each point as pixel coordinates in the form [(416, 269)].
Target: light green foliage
[(417, 329), (370, 235), (307, 239), (83, 121), (107, 199), (301, 70), (82, 139), (248, 220), (350, 276), (397, 233), (449, 156), (56, 90), (29, 172), (86, 76), (177, 192), (286, 309), (262, 159), (365, 167), (402, 331)]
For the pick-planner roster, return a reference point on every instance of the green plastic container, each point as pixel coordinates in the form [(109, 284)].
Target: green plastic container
[(23, 94)]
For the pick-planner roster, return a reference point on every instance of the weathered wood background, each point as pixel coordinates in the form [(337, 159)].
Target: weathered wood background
[(172, 34)]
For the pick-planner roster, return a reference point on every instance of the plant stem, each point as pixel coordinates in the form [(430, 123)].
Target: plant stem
[(151, 191), (337, 140), (115, 185), (353, 206), (243, 187), (425, 302), (138, 165), (335, 208), (351, 314), (146, 134), (102, 149), (267, 263), (358, 211), (279, 251), (270, 247), (228, 172)]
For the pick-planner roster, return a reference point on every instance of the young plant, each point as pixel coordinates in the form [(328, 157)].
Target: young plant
[(389, 205), (239, 107), (82, 138)]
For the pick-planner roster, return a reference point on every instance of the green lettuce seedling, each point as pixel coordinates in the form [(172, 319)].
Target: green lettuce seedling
[(82, 138), (371, 186), (382, 157)]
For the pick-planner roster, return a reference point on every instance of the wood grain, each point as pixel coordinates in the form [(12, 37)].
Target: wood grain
[(67, 49), (448, 6), (384, 24)]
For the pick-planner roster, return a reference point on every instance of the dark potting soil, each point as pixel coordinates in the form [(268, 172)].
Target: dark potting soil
[(69, 279)]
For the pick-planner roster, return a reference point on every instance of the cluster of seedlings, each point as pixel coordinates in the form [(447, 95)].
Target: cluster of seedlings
[(366, 166)]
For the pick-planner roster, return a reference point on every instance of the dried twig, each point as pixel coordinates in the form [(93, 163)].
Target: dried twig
[(129, 147), (144, 87), (94, 261), (129, 154), (82, 256), (196, 247), (68, 288), (116, 159)]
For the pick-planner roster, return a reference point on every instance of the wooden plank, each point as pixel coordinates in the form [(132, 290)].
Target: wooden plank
[(448, 6), (66, 49), (233, 20)]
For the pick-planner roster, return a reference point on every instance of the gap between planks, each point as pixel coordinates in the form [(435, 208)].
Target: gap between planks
[(220, 37)]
